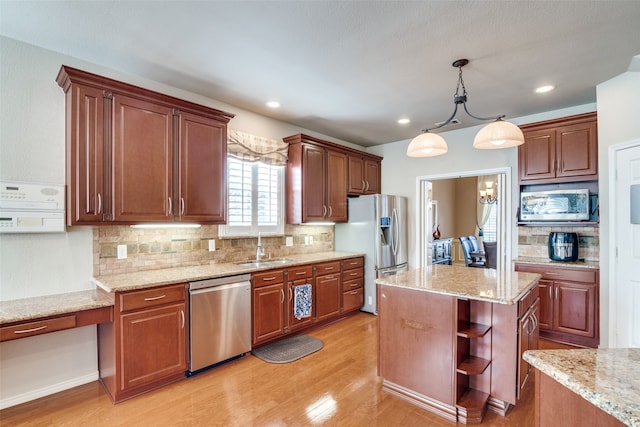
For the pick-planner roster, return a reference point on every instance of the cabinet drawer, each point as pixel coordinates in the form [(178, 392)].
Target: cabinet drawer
[(23, 330), (349, 285), (558, 273), (268, 278), (528, 300), (151, 297), (328, 268), (352, 300), (353, 274), (300, 272), (352, 263)]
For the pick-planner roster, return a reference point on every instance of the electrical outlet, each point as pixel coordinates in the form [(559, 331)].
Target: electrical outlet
[(306, 240), (288, 240), (122, 251), (212, 245)]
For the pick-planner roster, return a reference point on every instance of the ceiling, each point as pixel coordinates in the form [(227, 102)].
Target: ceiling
[(349, 69)]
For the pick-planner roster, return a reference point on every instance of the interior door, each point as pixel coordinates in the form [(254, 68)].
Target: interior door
[(626, 211)]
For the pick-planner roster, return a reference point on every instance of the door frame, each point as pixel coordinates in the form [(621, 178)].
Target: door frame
[(613, 288), (423, 213)]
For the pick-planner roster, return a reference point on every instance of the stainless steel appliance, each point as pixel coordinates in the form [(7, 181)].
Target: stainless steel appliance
[(563, 246), (220, 326), (555, 205), (377, 227)]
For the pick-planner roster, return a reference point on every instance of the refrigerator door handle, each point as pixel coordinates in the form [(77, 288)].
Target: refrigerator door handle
[(396, 232)]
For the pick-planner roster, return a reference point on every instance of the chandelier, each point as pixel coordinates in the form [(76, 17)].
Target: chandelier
[(488, 196), (499, 134)]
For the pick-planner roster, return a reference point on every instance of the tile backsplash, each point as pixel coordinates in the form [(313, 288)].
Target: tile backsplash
[(150, 249), (533, 241)]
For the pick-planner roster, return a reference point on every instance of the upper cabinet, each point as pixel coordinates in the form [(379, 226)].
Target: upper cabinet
[(560, 150), (134, 155), (364, 174), (320, 174)]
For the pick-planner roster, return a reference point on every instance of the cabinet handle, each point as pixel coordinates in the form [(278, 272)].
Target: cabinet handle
[(155, 298), (364, 185), (181, 206), (182, 314), (170, 206), (324, 211), (548, 273), (99, 203), (301, 272), (331, 277), (353, 285), (353, 292), (550, 292), (367, 189), (330, 211), (282, 293), (26, 331), (328, 268), (556, 293), (290, 292), (268, 279)]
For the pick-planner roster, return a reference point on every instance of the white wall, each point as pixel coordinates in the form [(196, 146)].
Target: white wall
[(400, 173), (32, 136), (618, 113)]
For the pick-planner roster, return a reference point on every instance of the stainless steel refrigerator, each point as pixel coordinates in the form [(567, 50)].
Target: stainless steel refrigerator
[(377, 227)]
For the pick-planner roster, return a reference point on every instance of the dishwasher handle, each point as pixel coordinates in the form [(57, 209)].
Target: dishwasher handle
[(220, 288), (218, 281)]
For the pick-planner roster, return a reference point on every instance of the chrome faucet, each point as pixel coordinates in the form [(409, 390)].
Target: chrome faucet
[(259, 249)]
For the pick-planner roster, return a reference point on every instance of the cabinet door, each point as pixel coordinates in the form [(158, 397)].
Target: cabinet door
[(203, 169), (85, 155), (336, 186), (142, 160), (545, 318), (356, 182), (295, 323), (574, 308), (152, 345), (268, 313), (536, 157), (328, 290), (313, 182), (577, 151), (372, 176)]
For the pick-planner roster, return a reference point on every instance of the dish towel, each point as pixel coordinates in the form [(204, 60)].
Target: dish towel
[(302, 301)]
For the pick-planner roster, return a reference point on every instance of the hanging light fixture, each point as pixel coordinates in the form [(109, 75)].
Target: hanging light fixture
[(499, 134), (488, 196)]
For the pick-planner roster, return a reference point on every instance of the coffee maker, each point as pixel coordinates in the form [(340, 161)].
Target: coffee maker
[(563, 246)]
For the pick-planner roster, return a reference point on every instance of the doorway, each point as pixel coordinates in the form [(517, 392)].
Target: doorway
[(426, 215)]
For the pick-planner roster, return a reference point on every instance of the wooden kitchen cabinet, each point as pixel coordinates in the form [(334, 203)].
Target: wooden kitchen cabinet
[(297, 276), (560, 150), (134, 155), (328, 290), (568, 304), (352, 284), (144, 348), (268, 305), (364, 175)]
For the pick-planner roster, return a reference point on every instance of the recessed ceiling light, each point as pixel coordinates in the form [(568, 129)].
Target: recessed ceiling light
[(273, 104), (545, 89), (404, 121)]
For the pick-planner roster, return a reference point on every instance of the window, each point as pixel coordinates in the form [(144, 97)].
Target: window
[(255, 199), (489, 231)]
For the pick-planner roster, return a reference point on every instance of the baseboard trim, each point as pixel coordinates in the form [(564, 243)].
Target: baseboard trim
[(46, 391)]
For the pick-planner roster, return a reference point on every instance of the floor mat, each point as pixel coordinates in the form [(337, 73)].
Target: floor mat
[(288, 349)]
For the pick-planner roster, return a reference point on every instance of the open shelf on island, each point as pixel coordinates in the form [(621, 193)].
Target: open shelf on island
[(472, 365), (472, 330)]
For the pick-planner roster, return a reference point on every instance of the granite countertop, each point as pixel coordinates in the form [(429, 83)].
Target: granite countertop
[(167, 276), (483, 284), (607, 378), (546, 261), (38, 307)]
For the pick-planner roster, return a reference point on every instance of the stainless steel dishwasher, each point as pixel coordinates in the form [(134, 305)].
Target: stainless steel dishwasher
[(220, 326)]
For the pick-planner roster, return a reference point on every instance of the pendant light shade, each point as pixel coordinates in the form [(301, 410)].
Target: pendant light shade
[(427, 145), (499, 134)]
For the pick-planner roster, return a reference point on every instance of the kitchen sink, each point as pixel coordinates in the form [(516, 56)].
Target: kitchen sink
[(264, 263)]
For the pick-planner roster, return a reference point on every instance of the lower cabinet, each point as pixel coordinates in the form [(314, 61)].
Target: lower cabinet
[(328, 290), (568, 303), (145, 346), (298, 276), (268, 305), (352, 284)]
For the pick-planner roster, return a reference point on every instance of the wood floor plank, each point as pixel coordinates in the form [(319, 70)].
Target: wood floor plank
[(336, 386)]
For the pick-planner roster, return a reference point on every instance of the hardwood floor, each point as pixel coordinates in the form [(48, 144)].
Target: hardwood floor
[(337, 386)]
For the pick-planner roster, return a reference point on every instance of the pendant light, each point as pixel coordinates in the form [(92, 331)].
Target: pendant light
[(499, 134)]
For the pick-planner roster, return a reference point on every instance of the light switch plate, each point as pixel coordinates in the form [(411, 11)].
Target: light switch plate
[(311, 240), (212, 245), (288, 240), (122, 251)]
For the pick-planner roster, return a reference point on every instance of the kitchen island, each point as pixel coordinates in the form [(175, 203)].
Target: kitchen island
[(451, 338), (589, 387)]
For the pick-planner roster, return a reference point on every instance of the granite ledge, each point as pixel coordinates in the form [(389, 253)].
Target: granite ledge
[(27, 309), (589, 265), (607, 378)]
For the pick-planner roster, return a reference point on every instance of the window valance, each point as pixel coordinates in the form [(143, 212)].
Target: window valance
[(254, 148)]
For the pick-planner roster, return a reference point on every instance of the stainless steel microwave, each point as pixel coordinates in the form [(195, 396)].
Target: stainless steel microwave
[(555, 205)]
